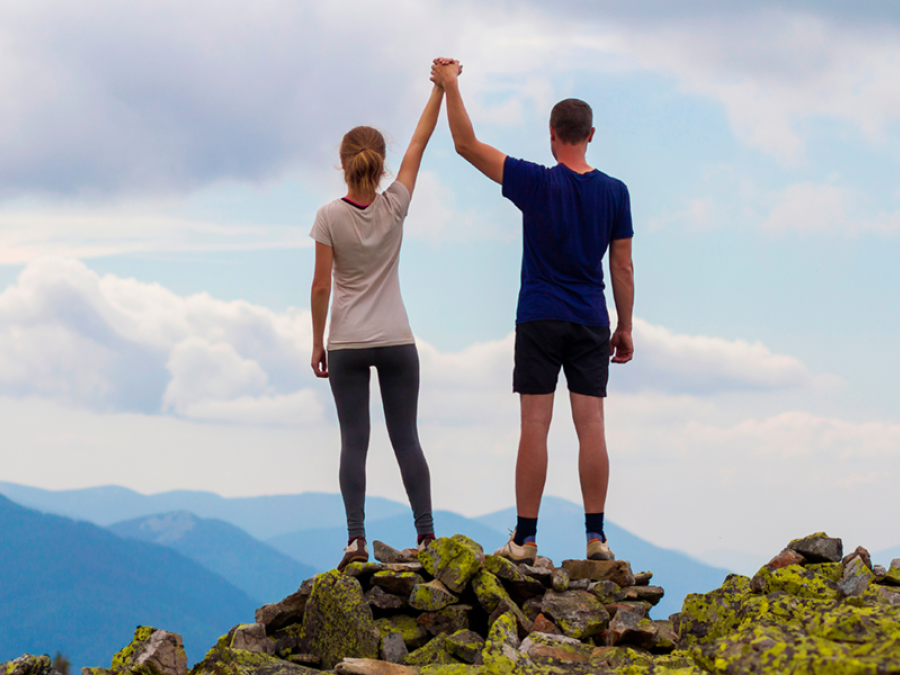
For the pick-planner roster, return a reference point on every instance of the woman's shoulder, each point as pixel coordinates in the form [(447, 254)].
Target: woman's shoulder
[(397, 197)]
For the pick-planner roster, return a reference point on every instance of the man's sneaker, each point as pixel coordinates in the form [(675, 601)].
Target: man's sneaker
[(524, 554), (427, 539), (599, 550), (355, 552)]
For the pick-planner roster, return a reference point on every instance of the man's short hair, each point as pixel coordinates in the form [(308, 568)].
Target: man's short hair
[(572, 120)]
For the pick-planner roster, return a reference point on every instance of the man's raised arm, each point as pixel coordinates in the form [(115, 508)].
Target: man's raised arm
[(482, 156)]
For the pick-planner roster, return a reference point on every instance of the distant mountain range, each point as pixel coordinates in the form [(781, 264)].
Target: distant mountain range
[(78, 588), (310, 528), (265, 574)]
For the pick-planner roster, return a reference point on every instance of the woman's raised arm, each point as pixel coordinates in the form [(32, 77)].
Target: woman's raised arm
[(409, 167)]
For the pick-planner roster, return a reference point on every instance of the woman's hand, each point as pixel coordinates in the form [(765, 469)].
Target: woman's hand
[(320, 361)]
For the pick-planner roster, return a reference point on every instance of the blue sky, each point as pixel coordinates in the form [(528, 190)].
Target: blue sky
[(161, 167)]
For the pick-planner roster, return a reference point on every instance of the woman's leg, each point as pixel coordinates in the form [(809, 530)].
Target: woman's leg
[(398, 376), (348, 373)]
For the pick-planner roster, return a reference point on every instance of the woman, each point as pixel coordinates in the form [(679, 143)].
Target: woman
[(358, 243)]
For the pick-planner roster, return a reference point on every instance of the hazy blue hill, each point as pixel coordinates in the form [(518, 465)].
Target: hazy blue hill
[(322, 548), (261, 517), (884, 557), (561, 536), (75, 587), (259, 570)]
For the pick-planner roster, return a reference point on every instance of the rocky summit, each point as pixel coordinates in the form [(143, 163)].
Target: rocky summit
[(452, 610)]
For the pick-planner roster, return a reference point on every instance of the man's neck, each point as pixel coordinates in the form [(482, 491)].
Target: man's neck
[(578, 167), (572, 157)]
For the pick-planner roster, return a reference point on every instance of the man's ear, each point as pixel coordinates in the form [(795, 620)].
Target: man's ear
[(591, 135), (552, 135)]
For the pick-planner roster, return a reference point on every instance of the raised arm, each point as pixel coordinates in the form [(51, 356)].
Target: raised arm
[(409, 167), (621, 270), (487, 159), (319, 296)]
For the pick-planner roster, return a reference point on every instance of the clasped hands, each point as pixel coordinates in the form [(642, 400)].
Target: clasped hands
[(444, 70)]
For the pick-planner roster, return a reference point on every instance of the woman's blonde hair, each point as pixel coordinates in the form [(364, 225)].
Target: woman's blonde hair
[(362, 156)]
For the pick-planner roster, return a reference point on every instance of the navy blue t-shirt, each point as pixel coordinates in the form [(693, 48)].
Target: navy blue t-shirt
[(568, 221)]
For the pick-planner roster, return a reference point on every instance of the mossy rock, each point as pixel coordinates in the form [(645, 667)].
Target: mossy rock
[(413, 633), (434, 652), (431, 597), (223, 660), (488, 590), (804, 582), (501, 647), (707, 616), (29, 664), (453, 561), (338, 622)]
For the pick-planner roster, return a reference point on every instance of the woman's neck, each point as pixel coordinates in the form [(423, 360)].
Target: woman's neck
[(359, 197)]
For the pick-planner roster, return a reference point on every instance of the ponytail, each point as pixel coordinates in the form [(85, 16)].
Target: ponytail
[(362, 156)]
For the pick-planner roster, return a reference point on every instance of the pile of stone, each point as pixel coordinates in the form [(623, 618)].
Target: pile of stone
[(808, 610), (452, 610), (452, 604)]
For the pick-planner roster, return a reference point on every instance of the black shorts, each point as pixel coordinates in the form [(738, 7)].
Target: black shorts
[(543, 346)]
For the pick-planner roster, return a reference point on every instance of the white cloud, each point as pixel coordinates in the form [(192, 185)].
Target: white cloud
[(813, 207)]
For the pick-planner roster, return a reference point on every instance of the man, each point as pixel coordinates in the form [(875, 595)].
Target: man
[(571, 214)]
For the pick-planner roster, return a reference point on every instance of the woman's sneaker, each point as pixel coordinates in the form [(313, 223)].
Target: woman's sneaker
[(427, 539), (599, 550), (356, 551), (521, 555)]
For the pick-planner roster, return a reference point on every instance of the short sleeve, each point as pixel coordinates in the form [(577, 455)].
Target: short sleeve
[(399, 197), (623, 228), (320, 230), (522, 181)]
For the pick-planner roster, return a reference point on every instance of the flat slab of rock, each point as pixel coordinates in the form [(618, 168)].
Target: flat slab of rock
[(387, 554), (819, 547), (651, 594), (351, 666), (578, 614), (549, 649), (618, 571)]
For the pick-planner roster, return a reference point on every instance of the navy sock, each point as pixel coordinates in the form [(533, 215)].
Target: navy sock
[(526, 530), (593, 526)]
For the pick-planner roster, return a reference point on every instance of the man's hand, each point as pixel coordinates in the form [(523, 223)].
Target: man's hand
[(319, 361), (621, 346), (445, 71)]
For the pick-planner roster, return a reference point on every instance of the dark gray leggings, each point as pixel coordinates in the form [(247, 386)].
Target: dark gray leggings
[(398, 375)]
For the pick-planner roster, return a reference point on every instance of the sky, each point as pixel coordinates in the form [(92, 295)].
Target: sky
[(161, 166)]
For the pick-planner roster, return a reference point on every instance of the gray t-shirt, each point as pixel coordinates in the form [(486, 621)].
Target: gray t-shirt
[(366, 307)]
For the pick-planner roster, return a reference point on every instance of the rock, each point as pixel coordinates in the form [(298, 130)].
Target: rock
[(891, 576), (507, 606), (651, 594), (804, 582), (290, 610), (546, 563), (338, 621), (393, 648), (413, 566), (488, 590), (642, 578), (879, 571), (154, 650), (818, 547), (629, 628), (251, 637), (578, 614), (293, 649), (860, 553), (785, 558), (519, 585), (385, 554), (431, 596), (857, 577), (466, 645), (453, 561), (434, 652), (27, 664), (363, 570), (639, 608), (607, 591), (705, 617), (666, 637), (532, 607), (544, 625), (397, 583), (560, 579), (579, 585), (451, 619), (413, 633), (888, 595), (618, 571), (377, 598), (225, 660), (351, 666), (554, 650), (541, 574), (501, 649)]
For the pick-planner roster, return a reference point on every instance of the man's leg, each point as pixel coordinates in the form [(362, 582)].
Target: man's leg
[(593, 460), (531, 466)]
